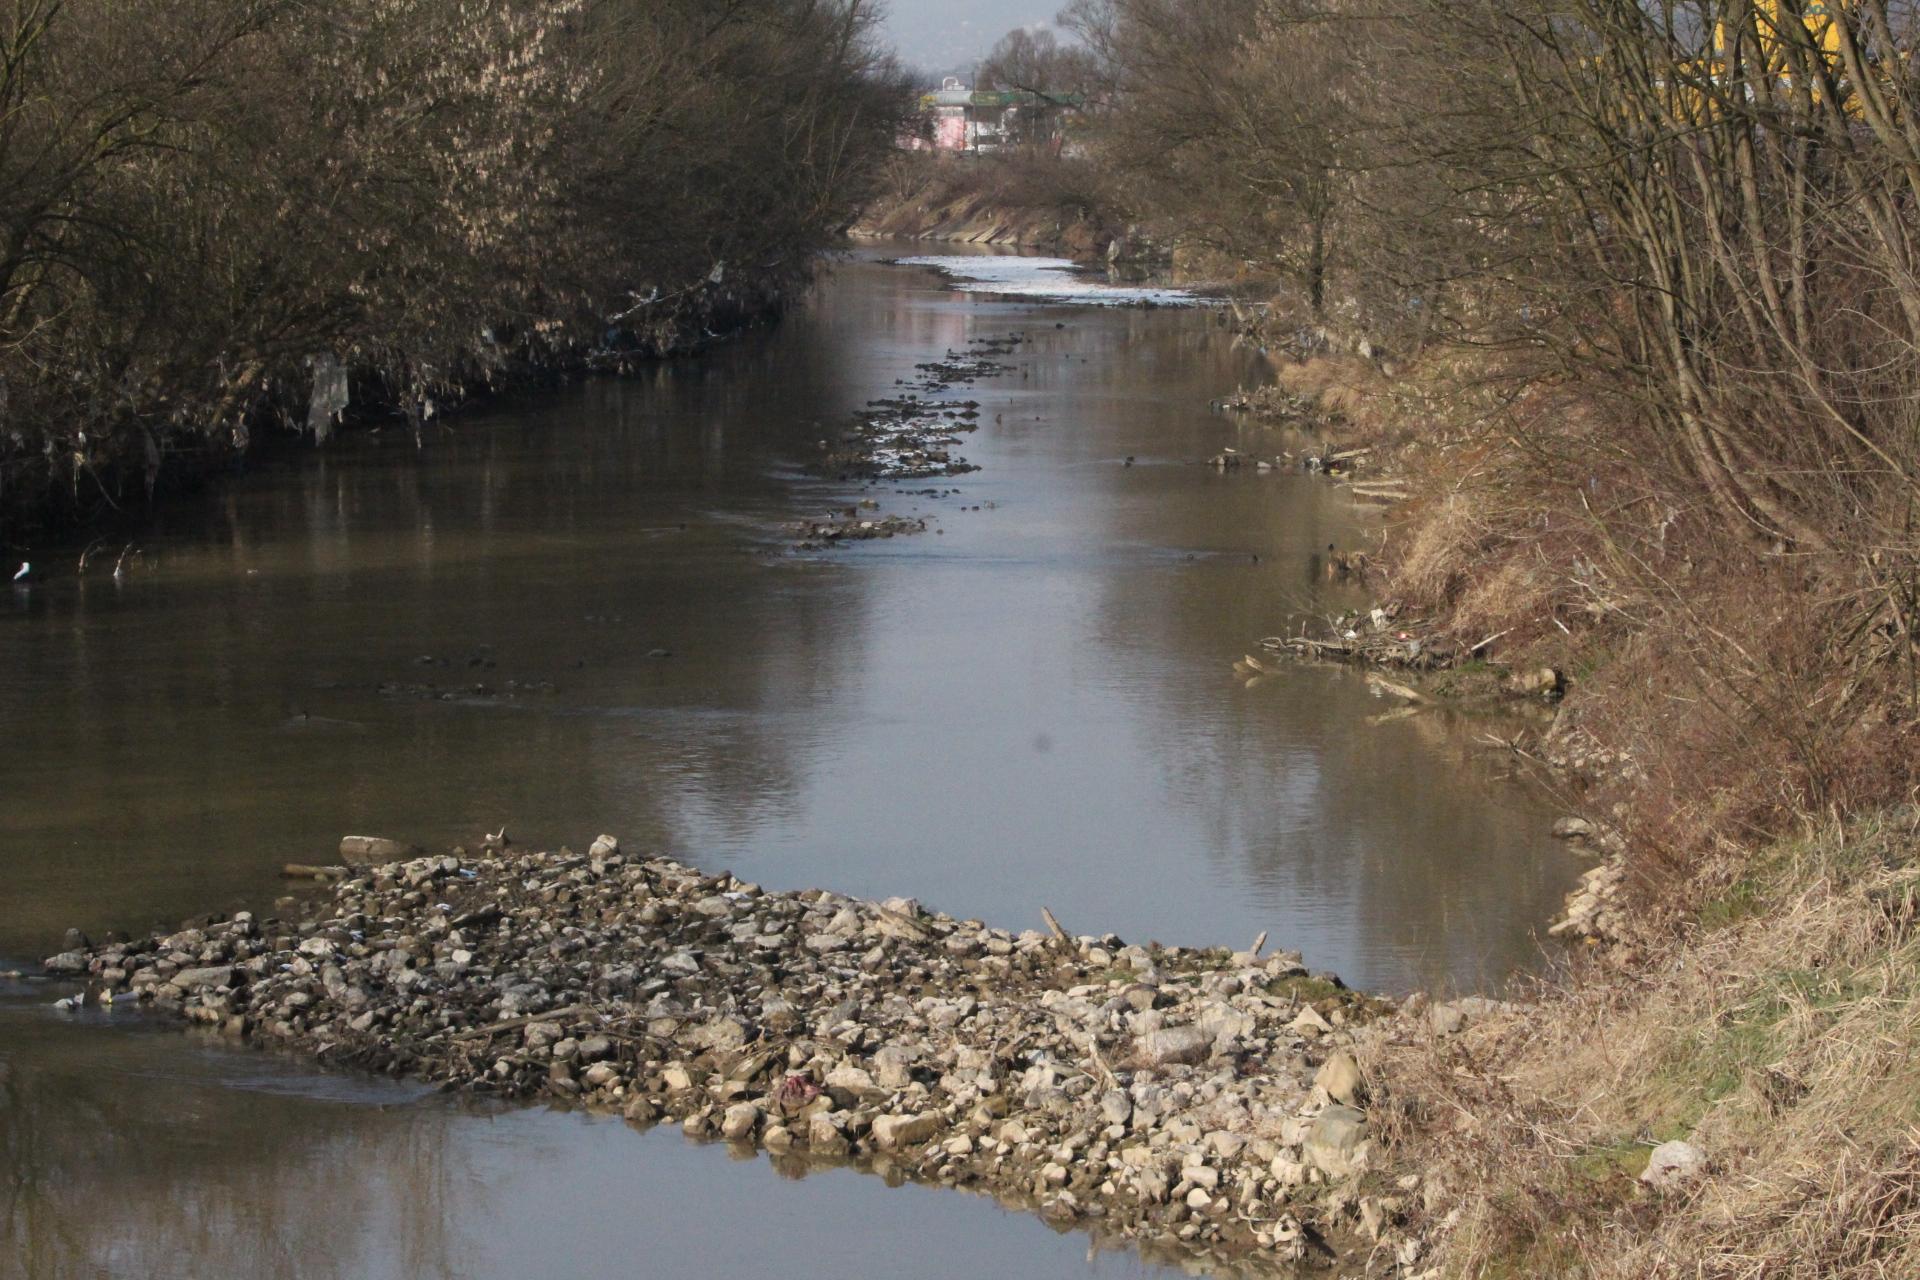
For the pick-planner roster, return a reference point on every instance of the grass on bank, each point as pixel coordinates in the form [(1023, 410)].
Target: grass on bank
[(1782, 1037)]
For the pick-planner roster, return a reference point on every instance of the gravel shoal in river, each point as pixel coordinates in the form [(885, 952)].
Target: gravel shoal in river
[(1202, 1098), (913, 436)]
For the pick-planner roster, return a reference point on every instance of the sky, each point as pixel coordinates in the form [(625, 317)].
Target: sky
[(943, 34)]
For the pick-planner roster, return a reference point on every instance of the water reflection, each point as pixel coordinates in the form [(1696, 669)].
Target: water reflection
[(142, 1153)]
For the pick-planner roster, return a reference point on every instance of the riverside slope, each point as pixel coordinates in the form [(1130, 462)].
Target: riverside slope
[(1204, 1097)]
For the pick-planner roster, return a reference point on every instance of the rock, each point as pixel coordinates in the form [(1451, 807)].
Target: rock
[(1336, 1145), (1223, 1022), (1226, 1144), (893, 1067), (1171, 1045), (1116, 1107), (740, 1120), (1340, 1077), (604, 846), (855, 1080), (1447, 1019), (66, 962), (824, 1136), (376, 848), (1673, 1165), (1571, 828), (893, 1132), (213, 976), (1308, 1022), (1545, 682), (1288, 1173)]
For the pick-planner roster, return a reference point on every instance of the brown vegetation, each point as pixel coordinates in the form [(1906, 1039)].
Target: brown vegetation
[(1638, 293), (1020, 196), (209, 209), (1782, 1040)]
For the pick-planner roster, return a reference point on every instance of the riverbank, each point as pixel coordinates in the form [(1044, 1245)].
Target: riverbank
[(1040, 202), (1208, 1099), (1720, 1083)]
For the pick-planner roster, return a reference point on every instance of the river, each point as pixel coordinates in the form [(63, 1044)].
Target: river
[(582, 613)]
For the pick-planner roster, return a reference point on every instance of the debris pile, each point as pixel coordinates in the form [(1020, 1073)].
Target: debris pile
[(840, 529), (1204, 1098)]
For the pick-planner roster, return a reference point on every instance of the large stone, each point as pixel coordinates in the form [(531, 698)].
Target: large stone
[(890, 1133), (1674, 1164), (855, 1080), (824, 1136), (720, 1033), (1337, 1143), (194, 979), (740, 1120), (66, 962), (1224, 1022), (1540, 682), (1340, 1076), (1573, 828), (1170, 1046), (893, 1067)]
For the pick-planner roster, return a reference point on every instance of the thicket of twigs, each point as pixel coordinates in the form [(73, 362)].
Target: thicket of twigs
[(207, 205), (1679, 243)]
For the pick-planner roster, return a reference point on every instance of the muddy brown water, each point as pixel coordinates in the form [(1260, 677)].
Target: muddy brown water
[(1032, 706)]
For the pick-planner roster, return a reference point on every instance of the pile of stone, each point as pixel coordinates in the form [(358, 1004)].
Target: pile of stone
[(902, 438), (913, 436), (1598, 908), (838, 530), (1204, 1098)]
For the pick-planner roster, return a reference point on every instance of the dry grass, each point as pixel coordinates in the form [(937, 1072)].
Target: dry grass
[(1342, 386), (1783, 1038)]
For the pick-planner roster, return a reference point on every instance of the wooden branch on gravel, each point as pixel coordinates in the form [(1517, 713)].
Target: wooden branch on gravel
[(514, 1024)]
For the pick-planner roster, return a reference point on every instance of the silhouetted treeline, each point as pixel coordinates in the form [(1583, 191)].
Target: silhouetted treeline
[(219, 216)]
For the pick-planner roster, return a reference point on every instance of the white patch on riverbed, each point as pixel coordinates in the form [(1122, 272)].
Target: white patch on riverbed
[(1048, 280)]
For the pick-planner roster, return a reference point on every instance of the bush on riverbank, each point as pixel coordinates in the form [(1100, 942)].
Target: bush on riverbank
[(220, 216)]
